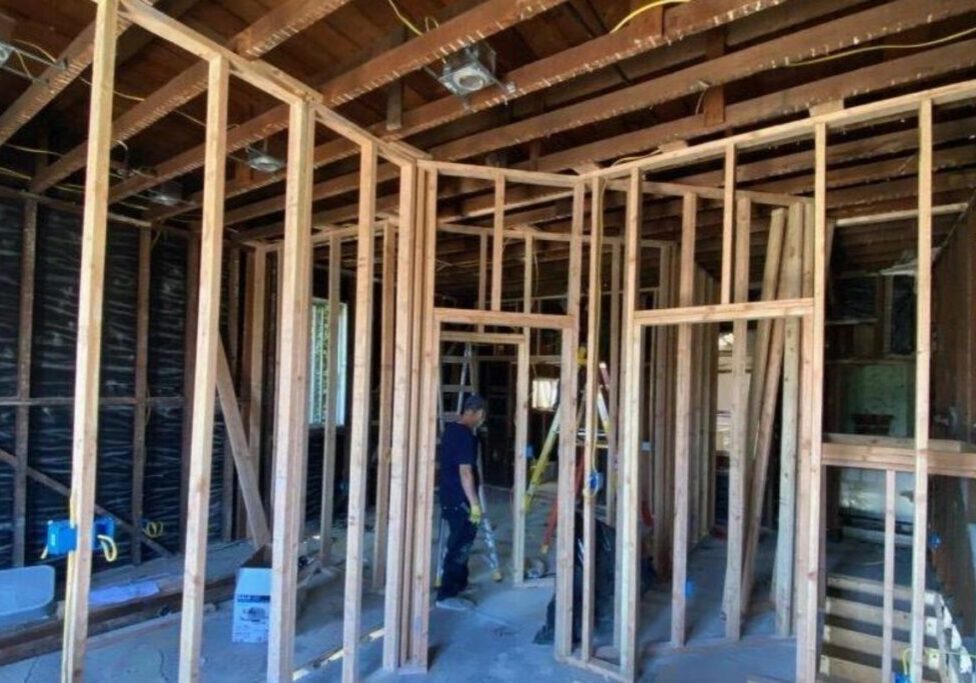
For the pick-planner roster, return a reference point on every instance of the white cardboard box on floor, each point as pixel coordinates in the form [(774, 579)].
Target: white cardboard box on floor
[(252, 604)]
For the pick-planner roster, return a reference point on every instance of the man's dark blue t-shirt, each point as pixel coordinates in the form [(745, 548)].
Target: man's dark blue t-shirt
[(459, 446)]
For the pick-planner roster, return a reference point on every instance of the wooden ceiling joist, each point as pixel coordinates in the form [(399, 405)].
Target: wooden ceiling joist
[(74, 59), (475, 24), (606, 50), (261, 37), (894, 17)]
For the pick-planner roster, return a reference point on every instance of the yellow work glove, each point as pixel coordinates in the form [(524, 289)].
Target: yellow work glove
[(476, 514)]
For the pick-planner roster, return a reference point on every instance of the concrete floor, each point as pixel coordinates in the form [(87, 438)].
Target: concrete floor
[(492, 644)]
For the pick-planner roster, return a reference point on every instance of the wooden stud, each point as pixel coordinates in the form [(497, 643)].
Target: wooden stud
[(592, 386), (732, 600), (614, 402), (25, 332), (522, 406), (292, 399), (728, 223), (568, 381), (359, 423), (783, 570), (498, 244), (84, 454), (398, 544), (140, 414), (629, 462), (254, 331), (888, 592), (682, 425), (808, 636), (191, 320), (204, 379), (227, 508), (387, 341), (327, 502), (923, 356)]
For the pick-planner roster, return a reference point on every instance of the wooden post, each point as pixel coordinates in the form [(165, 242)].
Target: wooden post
[(359, 424), (141, 407), (204, 379), (327, 503), (923, 355), (387, 340), (292, 400), (398, 544), (732, 600), (682, 425), (25, 338), (628, 445), (592, 384), (568, 382), (84, 453)]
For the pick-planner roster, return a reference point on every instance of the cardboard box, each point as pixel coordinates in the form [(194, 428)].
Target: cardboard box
[(252, 603)]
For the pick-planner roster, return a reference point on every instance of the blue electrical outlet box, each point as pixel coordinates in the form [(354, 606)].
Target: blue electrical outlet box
[(62, 538)]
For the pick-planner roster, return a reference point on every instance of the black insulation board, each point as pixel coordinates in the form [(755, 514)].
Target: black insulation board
[(52, 375)]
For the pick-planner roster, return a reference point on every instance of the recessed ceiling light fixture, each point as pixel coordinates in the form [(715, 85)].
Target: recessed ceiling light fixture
[(261, 160), (168, 194), (470, 70)]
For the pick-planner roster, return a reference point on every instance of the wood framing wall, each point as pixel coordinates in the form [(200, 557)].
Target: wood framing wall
[(669, 405)]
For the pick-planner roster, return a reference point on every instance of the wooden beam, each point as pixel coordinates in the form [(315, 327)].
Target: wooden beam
[(84, 453), (72, 62), (522, 407), (476, 24), (821, 39), (247, 475), (359, 427), (25, 332), (204, 377), (229, 458), (140, 415), (888, 590), (281, 23), (923, 359), (682, 426), (290, 418)]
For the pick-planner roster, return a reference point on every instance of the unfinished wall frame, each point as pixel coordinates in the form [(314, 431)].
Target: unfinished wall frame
[(417, 324)]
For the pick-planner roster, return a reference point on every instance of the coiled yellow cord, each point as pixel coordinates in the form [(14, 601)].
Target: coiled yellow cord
[(154, 529), (109, 548)]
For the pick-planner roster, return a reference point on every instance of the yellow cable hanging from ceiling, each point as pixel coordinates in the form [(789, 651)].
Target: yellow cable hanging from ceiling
[(640, 10)]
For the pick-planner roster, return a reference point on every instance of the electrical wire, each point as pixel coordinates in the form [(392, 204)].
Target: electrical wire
[(872, 48), (109, 548), (640, 10), (118, 93), (32, 150), (406, 22)]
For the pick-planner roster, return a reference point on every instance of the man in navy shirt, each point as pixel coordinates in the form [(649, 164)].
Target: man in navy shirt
[(458, 488)]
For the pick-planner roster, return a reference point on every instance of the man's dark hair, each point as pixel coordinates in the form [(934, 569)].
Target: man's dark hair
[(472, 402)]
